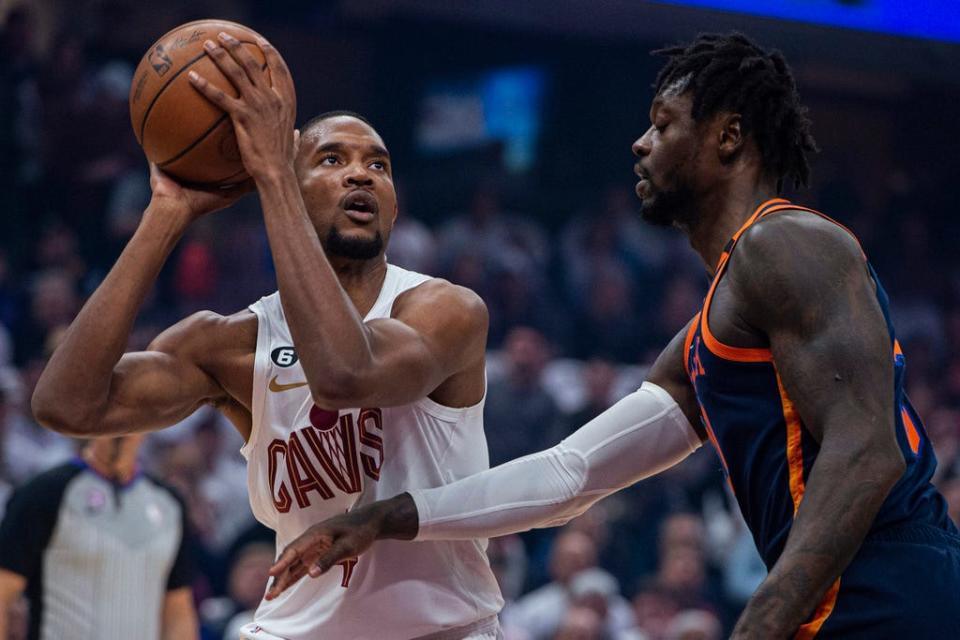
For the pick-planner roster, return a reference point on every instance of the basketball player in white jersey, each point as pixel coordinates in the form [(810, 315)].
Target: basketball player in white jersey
[(355, 381)]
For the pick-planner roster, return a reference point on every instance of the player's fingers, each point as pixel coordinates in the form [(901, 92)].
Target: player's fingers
[(340, 550), (230, 68), (212, 93), (282, 582), (289, 557), (280, 77), (242, 56)]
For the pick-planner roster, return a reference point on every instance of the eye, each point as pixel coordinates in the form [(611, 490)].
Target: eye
[(329, 160), (378, 165), (661, 127)]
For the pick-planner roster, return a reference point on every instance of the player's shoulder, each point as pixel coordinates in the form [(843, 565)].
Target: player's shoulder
[(789, 264), (444, 299), (797, 234), (793, 248)]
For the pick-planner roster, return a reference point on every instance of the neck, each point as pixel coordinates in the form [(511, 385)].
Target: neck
[(120, 470), (722, 212), (361, 279)]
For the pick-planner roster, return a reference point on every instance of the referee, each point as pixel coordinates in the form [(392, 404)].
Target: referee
[(99, 550)]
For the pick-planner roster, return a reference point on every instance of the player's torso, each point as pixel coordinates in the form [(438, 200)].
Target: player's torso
[(766, 450), (306, 464)]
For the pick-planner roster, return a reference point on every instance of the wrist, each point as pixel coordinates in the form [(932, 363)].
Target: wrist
[(274, 175), (164, 221), (398, 518)]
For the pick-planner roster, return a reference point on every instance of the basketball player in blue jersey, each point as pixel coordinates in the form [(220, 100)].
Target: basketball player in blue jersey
[(791, 370)]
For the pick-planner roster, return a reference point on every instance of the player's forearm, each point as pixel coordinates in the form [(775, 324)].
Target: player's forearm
[(329, 334), (845, 490), (74, 387), (640, 436)]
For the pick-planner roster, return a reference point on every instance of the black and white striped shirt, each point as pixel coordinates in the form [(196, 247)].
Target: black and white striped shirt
[(98, 557)]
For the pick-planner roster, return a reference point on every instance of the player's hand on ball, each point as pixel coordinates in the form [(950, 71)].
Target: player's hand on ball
[(262, 119), (173, 197), (324, 545)]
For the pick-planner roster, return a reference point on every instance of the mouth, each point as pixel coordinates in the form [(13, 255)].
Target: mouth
[(360, 206), (643, 185)]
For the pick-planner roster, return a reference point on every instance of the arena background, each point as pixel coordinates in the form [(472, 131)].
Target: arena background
[(510, 126)]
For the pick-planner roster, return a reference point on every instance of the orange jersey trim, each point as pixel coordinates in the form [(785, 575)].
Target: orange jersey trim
[(913, 436), (727, 352), (687, 341), (794, 447), (809, 630)]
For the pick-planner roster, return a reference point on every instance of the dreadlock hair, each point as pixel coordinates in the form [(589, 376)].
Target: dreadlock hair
[(314, 121), (729, 72)]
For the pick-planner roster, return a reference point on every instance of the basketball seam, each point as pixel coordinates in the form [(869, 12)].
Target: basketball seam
[(190, 63), (156, 96), (193, 144)]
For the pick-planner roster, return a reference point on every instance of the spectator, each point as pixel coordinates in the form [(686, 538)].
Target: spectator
[(540, 612), (519, 413), (694, 624)]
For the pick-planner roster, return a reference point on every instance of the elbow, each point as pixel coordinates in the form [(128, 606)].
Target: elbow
[(338, 390), (54, 414)]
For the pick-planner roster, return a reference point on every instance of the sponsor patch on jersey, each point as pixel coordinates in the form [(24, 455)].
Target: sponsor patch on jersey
[(284, 356)]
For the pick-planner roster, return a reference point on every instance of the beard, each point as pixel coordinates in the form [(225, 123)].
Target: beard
[(343, 246), (670, 208)]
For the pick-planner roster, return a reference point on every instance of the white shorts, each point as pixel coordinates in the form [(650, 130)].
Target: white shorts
[(486, 629)]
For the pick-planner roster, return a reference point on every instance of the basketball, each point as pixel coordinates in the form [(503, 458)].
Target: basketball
[(180, 130)]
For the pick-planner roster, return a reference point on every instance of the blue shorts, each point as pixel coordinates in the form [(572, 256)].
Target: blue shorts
[(904, 583)]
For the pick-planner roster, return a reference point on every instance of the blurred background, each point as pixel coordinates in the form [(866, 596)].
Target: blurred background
[(510, 126)]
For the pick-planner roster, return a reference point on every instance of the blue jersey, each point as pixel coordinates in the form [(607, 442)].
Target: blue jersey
[(765, 448)]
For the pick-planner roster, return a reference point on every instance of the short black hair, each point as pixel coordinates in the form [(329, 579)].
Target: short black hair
[(730, 72), (314, 121)]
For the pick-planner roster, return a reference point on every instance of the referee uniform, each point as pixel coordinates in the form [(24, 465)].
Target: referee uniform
[(98, 557)]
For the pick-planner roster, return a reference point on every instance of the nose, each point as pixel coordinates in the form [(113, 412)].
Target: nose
[(641, 146), (357, 175)]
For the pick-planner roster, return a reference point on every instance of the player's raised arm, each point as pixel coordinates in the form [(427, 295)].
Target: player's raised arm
[(805, 284), (436, 331), (648, 431), (89, 387)]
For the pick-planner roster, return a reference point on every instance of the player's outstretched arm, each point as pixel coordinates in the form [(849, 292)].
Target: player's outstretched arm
[(804, 282), (643, 434), (87, 389)]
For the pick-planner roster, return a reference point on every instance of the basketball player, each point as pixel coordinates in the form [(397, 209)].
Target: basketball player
[(356, 378), (791, 369)]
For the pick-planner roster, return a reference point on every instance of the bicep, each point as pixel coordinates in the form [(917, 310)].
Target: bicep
[(808, 288), (834, 370), (158, 387)]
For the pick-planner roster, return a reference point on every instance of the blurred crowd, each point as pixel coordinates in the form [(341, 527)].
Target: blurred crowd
[(578, 310)]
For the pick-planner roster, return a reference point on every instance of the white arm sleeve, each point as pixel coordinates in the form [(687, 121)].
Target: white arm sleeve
[(638, 437)]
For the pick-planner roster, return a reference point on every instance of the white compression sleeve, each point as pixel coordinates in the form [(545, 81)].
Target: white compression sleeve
[(638, 437)]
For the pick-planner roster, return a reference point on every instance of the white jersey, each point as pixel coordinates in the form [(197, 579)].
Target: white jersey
[(305, 464)]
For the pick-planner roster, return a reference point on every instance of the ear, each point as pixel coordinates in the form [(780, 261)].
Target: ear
[(731, 138)]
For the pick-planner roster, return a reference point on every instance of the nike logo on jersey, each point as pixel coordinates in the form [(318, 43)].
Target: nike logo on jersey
[(277, 387)]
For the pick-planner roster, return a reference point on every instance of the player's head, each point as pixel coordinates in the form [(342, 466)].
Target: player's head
[(723, 107), (347, 184)]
